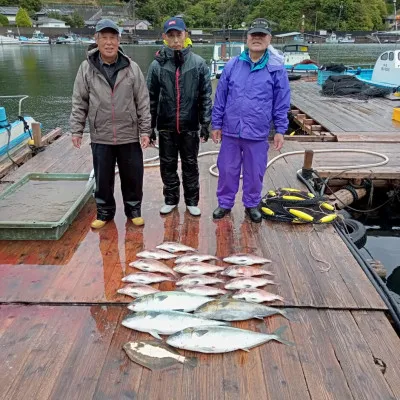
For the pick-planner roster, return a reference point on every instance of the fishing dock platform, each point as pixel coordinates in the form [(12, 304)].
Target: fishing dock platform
[(60, 314)]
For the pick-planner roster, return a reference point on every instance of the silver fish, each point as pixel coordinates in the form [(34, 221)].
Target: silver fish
[(168, 301), (245, 259), (156, 355), (199, 268), (197, 280), (247, 283), (145, 278), (174, 247), (155, 254), (152, 266), (164, 322), (235, 310), (222, 339), (245, 271), (136, 290), (256, 295), (194, 258), (203, 290)]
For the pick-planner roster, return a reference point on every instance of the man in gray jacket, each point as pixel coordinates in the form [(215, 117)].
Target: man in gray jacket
[(110, 90)]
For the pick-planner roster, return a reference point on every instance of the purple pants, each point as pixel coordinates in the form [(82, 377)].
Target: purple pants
[(235, 153)]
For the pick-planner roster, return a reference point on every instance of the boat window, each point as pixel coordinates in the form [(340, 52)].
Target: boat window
[(384, 56), (231, 51), (391, 56)]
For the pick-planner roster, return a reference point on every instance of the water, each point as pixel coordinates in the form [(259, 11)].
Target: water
[(47, 73)]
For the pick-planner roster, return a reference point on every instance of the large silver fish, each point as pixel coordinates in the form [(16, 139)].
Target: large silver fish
[(197, 280), (145, 278), (150, 265), (156, 355), (245, 259), (169, 300), (247, 283), (137, 290), (256, 295), (199, 268), (174, 247), (222, 339), (164, 322), (155, 254), (237, 271), (235, 310), (203, 290), (194, 258)]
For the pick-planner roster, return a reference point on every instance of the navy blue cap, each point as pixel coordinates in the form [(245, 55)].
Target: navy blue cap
[(259, 25), (107, 24), (174, 23)]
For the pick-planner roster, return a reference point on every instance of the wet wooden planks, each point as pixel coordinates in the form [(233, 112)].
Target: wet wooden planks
[(342, 115), (51, 351), (86, 266)]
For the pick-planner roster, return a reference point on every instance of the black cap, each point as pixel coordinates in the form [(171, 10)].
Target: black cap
[(259, 25)]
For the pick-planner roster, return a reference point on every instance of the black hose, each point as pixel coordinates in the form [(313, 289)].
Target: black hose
[(393, 307), (8, 128)]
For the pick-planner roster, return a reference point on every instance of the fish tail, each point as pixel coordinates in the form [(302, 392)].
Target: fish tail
[(285, 314), (191, 362), (278, 336)]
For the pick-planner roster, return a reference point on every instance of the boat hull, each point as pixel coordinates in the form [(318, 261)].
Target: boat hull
[(18, 135)]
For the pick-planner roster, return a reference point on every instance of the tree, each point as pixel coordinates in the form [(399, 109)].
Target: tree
[(3, 20), (74, 21), (22, 19), (31, 5)]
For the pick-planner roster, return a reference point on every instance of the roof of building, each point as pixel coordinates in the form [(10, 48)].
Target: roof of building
[(9, 10)]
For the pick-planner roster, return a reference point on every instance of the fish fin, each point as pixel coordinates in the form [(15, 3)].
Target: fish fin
[(180, 310), (259, 317), (191, 362), (161, 298), (246, 350), (155, 334), (278, 336), (226, 296), (285, 314), (201, 332)]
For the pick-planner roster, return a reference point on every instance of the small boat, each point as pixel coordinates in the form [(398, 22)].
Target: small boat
[(68, 39), (386, 72), (332, 38), (9, 38), (346, 39), (14, 133), (85, 40), (297, 59), (37, 38), (222, 53)]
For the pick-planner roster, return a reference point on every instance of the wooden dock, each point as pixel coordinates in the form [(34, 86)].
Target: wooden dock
[(60, 331)]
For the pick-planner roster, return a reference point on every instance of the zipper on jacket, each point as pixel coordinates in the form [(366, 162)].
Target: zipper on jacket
[(178, 99), (113, 109)]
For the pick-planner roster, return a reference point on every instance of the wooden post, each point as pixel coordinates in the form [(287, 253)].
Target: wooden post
[(308, 159), (36, 134), (344, 197)]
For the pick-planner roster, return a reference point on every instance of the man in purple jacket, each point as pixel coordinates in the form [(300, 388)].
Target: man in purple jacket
[(253, 92)]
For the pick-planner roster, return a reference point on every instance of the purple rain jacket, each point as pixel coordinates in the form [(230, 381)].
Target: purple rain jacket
[(250, 96)]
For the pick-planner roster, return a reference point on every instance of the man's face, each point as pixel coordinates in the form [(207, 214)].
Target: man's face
[(175, 39), (108, 42), (258, 41)]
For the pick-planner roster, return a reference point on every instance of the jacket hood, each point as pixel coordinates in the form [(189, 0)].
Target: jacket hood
[(166, 53), (276, 59)]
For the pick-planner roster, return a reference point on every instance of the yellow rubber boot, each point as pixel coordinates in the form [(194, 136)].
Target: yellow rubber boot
[(97, 224), (138, 221)]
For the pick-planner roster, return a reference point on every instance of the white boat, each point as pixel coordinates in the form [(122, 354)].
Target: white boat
[(297, 58), (386, 72), (332, 38), (68, 39), (9, 38), (37, 38), (14, 133), (346, 39), (222, 53)]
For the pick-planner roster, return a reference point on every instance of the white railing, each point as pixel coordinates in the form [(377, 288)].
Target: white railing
[(24, 96)]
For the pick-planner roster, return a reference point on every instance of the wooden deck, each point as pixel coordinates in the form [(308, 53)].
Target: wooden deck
[(60, 332), (344, 117)]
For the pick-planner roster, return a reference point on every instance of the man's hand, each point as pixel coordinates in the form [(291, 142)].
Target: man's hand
[(77, 141), (278, 141), (204, 134), (216, 135), (145, 141), (153, 137)]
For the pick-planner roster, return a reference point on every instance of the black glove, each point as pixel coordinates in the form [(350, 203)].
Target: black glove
[(205, 133), (153, 136)]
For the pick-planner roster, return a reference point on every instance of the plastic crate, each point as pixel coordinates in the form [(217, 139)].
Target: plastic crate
[(324, 75)]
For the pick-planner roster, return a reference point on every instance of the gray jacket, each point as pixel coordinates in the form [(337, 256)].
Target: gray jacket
[(118, 114)]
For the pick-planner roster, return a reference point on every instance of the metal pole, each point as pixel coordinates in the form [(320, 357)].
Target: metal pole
[(395, 15)]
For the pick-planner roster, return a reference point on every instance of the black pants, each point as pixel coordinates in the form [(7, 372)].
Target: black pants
[(129, 158), (186, 144)]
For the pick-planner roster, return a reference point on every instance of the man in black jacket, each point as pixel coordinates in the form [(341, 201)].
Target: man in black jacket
[(180, 105)]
